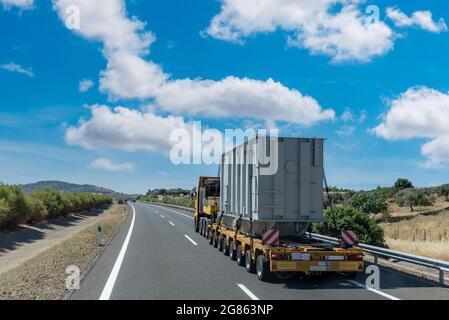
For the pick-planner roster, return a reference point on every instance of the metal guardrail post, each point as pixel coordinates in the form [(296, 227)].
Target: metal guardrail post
[(376, 259), (441, 277)]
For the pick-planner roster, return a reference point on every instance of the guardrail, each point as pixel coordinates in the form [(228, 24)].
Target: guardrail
[(376, 252), (440, 265)]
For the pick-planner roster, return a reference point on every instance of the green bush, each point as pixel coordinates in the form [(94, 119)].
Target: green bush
[(352, 219), (368, 202), (14, 199), (444, 191), (16, 208)]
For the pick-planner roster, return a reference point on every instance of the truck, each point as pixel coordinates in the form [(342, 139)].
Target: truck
[(259, 216)]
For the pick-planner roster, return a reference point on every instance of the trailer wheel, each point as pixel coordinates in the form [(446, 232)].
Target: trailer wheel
[(210, 236), (262, 269), (204, 228), (249, 263), (220, 243), (197, 226), (239, 257), (232, 251), (225, 246)]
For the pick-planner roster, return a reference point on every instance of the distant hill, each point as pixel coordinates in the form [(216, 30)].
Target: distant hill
[(68, 187)]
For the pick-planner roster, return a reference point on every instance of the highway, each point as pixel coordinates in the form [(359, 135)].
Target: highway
[(157, 255)]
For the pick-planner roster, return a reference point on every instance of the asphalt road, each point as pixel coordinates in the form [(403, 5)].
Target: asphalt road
[(157, 255)]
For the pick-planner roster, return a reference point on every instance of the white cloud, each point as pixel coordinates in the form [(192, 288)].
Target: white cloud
[(13, 67), (241, 97), (421, 19), (347, 115), (130, 75), (108, 165), (85, 85), (420, 112), (125, 129), (346, 131), (344, 34), (22, 4)]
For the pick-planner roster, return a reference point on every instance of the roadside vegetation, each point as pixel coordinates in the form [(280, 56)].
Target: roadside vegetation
[(17, 207), (177, 197)]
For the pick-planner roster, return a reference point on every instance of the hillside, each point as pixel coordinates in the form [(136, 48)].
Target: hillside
[(66, 187)]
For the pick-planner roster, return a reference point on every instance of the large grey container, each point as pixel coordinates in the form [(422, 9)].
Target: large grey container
[(273, 182)]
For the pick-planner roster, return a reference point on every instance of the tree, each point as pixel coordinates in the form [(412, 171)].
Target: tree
[(401, 184), (352, 219), (413, 198)]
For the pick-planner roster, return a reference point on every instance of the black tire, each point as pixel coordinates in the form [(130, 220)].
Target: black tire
[(197, 226), (238, 256), (220, 243), (232, 251), (225, 247), (215, 240), (250, 266), (262, 269), (211, 237)]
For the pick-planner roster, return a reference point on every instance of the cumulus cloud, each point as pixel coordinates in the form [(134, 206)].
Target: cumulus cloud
[(420, 19), (129, 74), (108, 165), (420, 112), (243, 97), (14, 67), (343, 34), (125, 129), (22, 4), (85, 85)]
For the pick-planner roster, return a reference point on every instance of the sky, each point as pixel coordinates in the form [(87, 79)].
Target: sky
[(91, 91)]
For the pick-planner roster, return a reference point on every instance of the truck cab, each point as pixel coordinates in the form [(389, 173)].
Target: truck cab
[(207, 200)]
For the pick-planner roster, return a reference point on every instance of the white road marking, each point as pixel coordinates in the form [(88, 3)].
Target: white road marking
[(171, 223), (248, 292), (182, 214), (190, 239), (162, 216), (107, 290), (383, 294)]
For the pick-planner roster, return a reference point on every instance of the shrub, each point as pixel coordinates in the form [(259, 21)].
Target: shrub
[(368, 202), (352, 219), (444, 191), (15, 207)]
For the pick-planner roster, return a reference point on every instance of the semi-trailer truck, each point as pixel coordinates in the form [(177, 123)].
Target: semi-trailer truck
[(261, 220)]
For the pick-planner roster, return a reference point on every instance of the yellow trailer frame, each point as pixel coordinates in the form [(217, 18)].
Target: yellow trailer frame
[(289, 257)]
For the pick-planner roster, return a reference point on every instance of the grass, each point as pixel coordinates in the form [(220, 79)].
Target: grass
[(423, 235), (43, 277)]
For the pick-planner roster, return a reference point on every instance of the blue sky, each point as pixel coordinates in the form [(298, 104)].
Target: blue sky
[(398, 80)]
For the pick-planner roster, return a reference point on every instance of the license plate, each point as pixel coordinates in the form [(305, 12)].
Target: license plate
[(348, 266)]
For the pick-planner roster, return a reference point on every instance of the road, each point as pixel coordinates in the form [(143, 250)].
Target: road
[(157, 255)]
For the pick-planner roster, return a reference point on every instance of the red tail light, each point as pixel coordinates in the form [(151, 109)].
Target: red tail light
[(356, 257), (279, 257)]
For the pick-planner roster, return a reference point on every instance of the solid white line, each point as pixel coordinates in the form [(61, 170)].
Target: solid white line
[(171, 223), (162, 216), (386, 295), (190, 239), (107, 290), (248, 292)]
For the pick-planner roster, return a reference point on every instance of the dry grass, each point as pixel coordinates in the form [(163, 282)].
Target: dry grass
[(43, 277), (396, 211), (422, 235)]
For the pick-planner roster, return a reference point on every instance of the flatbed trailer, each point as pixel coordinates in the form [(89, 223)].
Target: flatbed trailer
[(303, 254)]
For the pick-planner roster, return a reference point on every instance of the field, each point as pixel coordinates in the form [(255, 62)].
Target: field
[(421, 235)]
